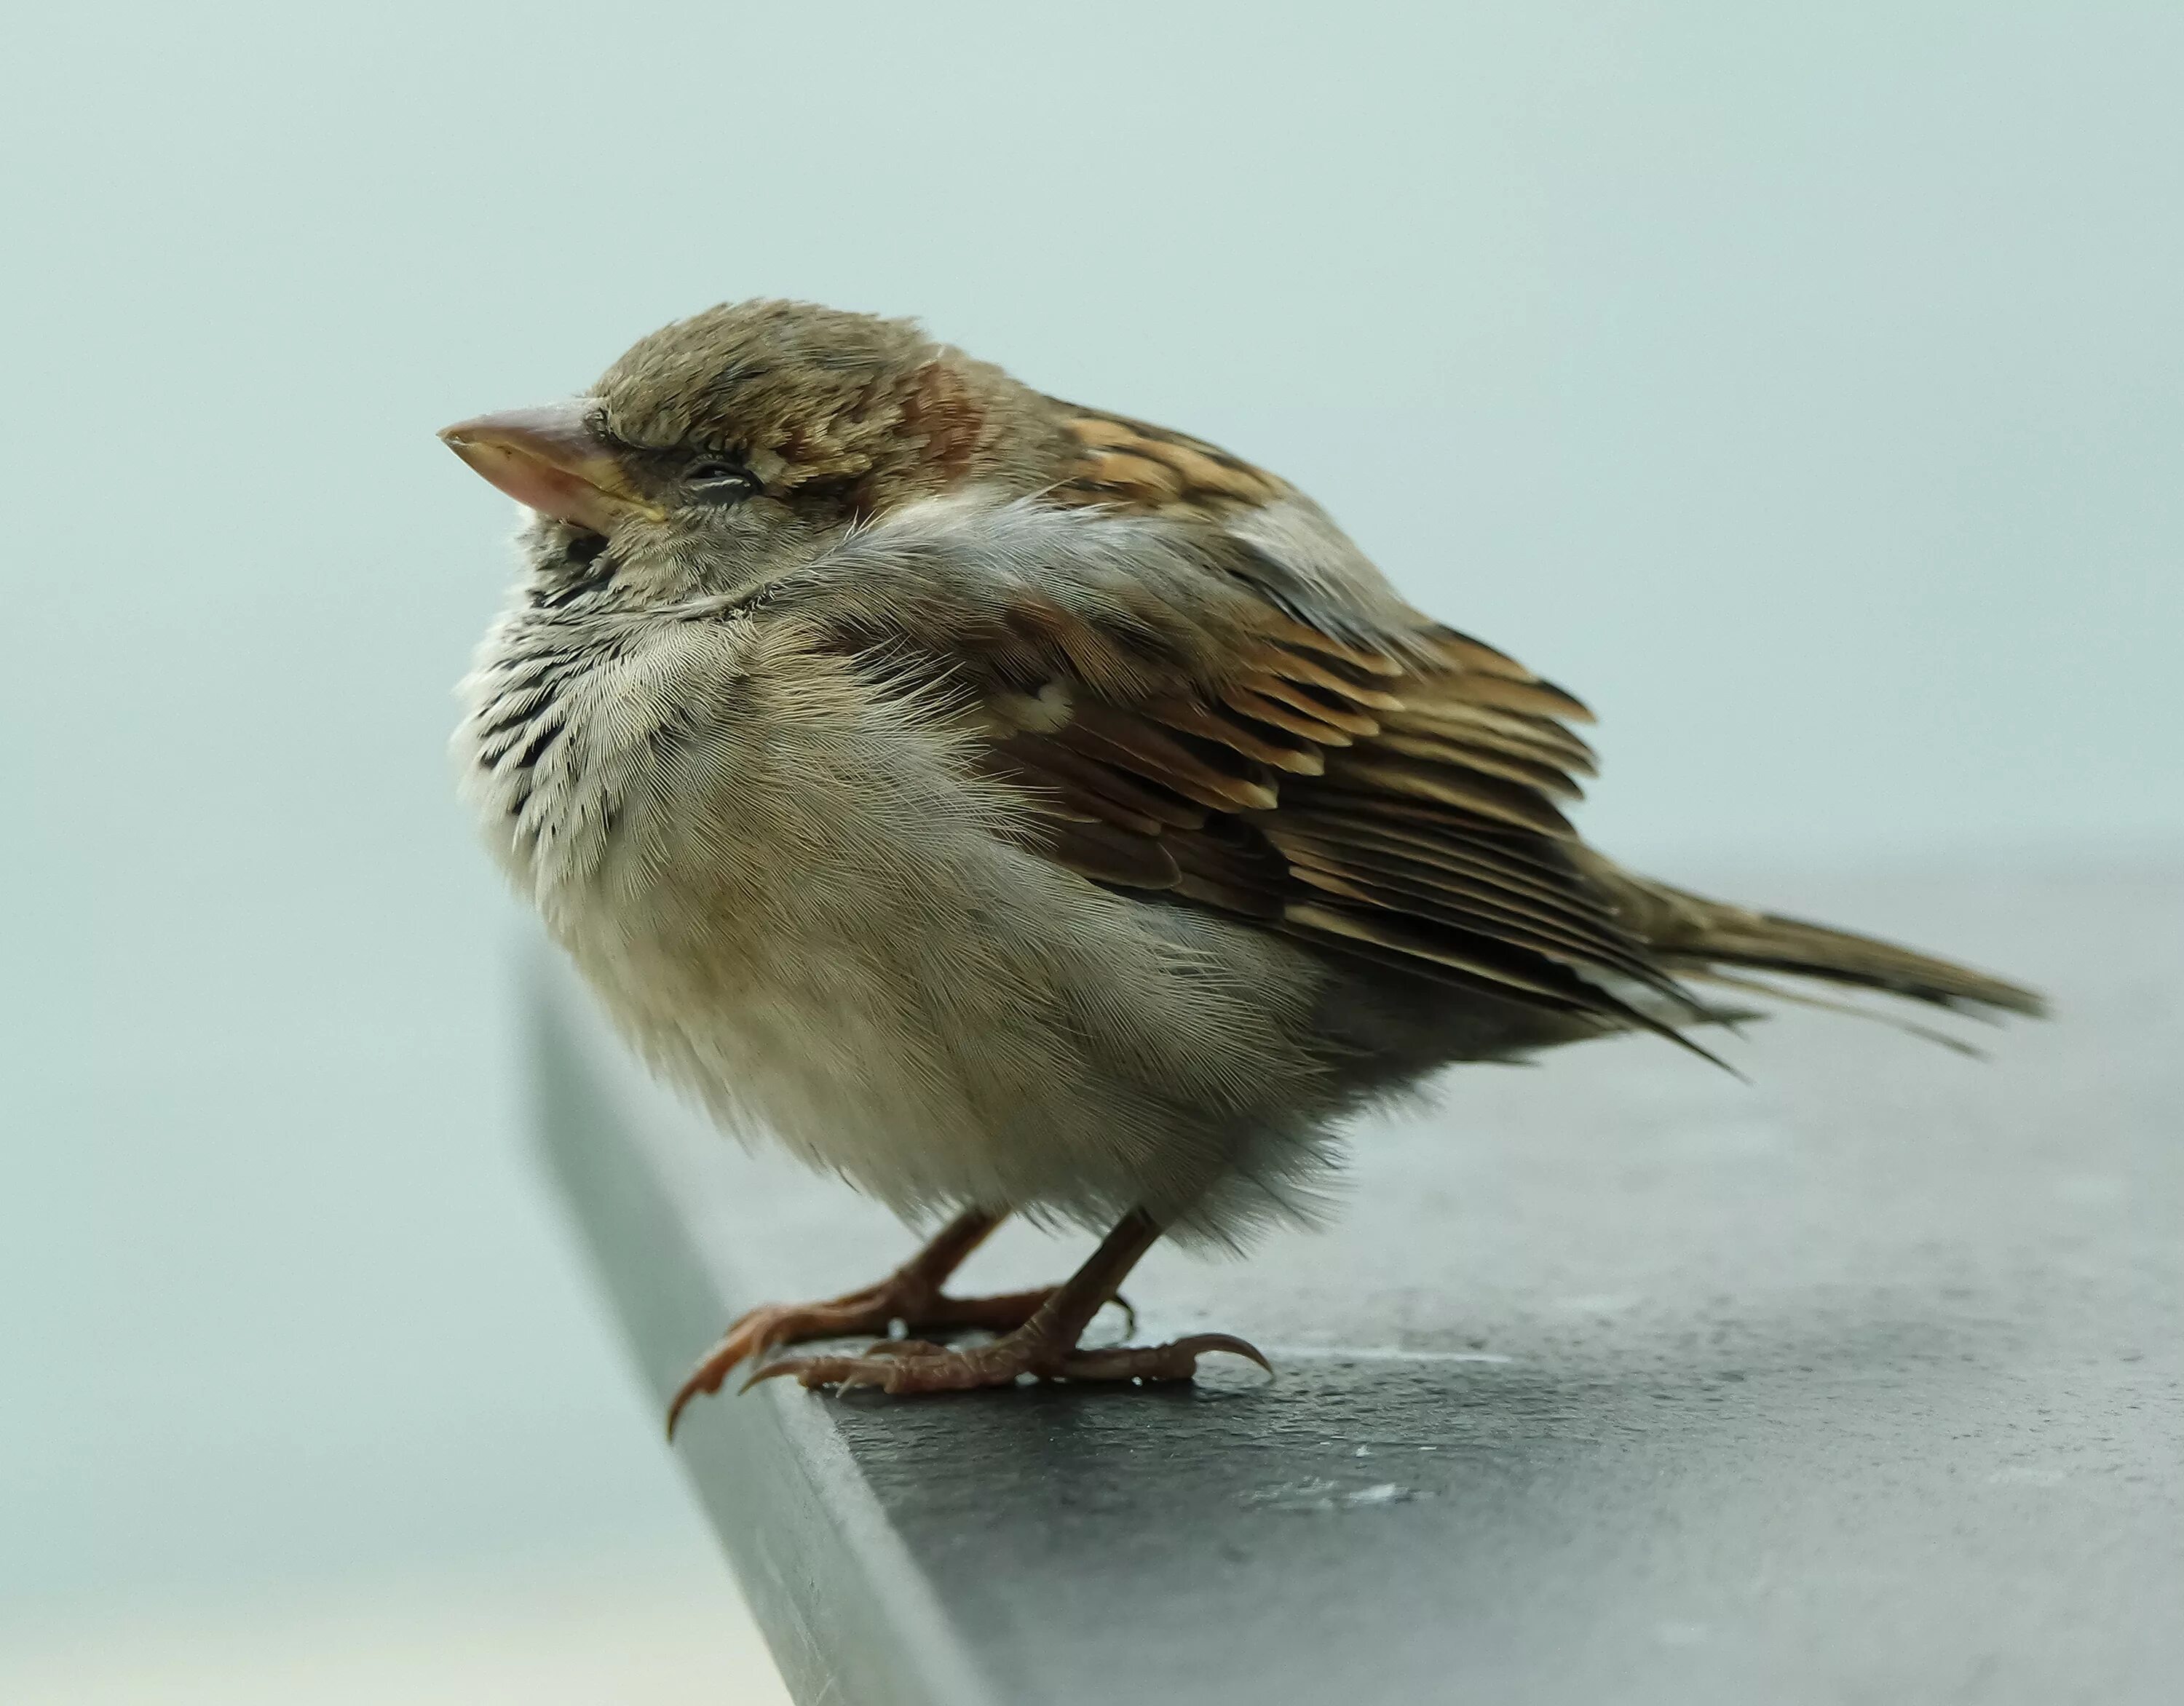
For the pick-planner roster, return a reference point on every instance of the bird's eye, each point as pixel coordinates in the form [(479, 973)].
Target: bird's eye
[(718, 481)]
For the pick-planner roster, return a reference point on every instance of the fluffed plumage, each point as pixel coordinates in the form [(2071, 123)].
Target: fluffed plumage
[(1018, 807)]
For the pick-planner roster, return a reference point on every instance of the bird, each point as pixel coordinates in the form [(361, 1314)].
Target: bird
[(1015, 808)]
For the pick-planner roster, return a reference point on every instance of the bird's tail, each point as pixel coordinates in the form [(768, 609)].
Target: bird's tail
[(1712, 941)]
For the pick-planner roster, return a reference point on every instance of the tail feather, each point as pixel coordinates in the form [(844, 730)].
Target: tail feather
[(1805, 997), (1694, 936), (1766, 942)]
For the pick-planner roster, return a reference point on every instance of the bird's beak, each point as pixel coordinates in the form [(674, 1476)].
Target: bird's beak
[(552, 459)]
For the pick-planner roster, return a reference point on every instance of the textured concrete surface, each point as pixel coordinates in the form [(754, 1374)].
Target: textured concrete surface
[(1616, 1381)]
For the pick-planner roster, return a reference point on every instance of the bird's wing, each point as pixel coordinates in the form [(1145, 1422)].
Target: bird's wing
[(1223, 701)]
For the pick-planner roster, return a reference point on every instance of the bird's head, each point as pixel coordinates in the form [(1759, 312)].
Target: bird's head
[(722, 449)]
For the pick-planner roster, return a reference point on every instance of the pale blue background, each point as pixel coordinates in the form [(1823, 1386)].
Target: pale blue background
[(1800, 384)]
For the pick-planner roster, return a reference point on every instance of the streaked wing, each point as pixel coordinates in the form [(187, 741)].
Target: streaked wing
[(1408, 816), (1208, 693)]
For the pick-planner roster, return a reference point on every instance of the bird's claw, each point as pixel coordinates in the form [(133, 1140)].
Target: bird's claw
[(871, 1310), (903, 1367), (1177, 1360)]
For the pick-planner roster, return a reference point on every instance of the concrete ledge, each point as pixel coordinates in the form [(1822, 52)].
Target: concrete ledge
[(1617, 1381)]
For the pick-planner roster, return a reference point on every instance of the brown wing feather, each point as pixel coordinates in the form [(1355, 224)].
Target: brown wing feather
[(1135, 465), (1246, 717), (1396, 838)]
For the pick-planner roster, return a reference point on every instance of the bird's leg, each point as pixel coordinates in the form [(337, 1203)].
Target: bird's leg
[(1044, 1345), (911, 1295)]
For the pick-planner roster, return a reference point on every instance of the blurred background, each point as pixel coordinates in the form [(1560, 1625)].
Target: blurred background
[(1802, 385)]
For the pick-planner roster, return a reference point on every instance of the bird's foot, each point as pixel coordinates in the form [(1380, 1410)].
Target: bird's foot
[(904, 1295), (906, 1366)]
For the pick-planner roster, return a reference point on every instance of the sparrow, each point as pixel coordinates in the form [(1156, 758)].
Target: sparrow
[(1018, 808)]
